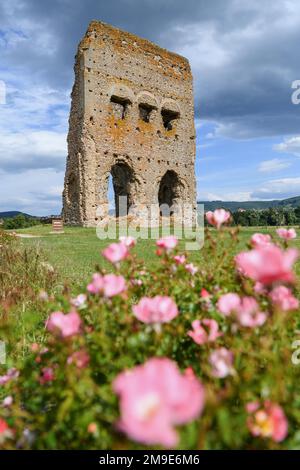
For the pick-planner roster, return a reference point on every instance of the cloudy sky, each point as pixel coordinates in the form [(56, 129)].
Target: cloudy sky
[(244, 55)]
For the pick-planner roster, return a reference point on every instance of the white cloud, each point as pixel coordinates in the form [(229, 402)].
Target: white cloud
[(203, 46), (31, 106), (290, 145), (278, 189), (239, 196), (36, 192), (275, 164), (32, 150)]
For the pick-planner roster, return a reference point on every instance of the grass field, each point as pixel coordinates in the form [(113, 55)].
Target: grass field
[(77, 251)]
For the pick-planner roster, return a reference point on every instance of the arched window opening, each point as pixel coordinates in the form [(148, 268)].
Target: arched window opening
[(120, 106), (169, 118), (169, 193), (146, 111), (122, 182), (111, 197)]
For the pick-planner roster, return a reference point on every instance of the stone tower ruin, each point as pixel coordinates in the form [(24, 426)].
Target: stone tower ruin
[(132, 117)]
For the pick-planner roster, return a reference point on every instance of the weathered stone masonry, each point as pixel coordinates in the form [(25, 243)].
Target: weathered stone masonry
[(132, 116)]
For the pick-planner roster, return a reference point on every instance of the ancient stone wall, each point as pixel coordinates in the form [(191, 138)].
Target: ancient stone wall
[(132, 116)]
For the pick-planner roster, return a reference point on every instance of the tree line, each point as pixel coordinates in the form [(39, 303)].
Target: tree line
[(19, 221), (274, 216)]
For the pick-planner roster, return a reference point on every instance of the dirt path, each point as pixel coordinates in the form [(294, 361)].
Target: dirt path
[(26, 235)]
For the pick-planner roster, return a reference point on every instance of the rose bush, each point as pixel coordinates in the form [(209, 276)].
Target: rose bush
[(193, 357)]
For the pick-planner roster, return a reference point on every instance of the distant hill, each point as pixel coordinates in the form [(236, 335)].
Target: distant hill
[(234, 205), (9, 214)]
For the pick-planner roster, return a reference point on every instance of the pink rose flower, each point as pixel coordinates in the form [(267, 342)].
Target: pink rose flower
[(283, 299), (248, 313), (246, 309), (137, 282), (11, 374), (203, 335), (113, 285), (3, 426), (268, 264), (229, 303), (5, 431), (179, 259), (204, 294), (108, 285), (218, 217), (268, 421), (129, 242), (116, 252), (35, 347), (80, 358), (47, 375), (167, 243), (79, 301), (259, 288), (7, 401), (221, 361), (191, 268), (97, 284), (65, 326), (154, 398), (158, 309), (260, 239), (286, 234)]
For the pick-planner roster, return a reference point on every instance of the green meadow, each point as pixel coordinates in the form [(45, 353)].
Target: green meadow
[(76, 253)]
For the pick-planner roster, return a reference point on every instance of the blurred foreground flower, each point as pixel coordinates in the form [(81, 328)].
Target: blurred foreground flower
[(286, 234), (228, 303), (155, 397), (108, 285), (7, 401), (64, 325), (191, 268), (79, 301), (130, 242), (115, 252), (221, 361), (47, 375), (267, 421), (158, 309), (180, 259), (245, 309), (268, 264), (283, 298), (218, 217), (11, 374), (203, 335), (80, 358), (167, 243), (5, 431), (260, 239)]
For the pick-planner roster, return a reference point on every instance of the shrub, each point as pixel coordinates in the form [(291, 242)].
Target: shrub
[(20, 221), (183, 356), (24, 278)]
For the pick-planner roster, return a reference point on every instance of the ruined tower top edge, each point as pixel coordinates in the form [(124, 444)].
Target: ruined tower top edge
[(131, 123), (133, 41)]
